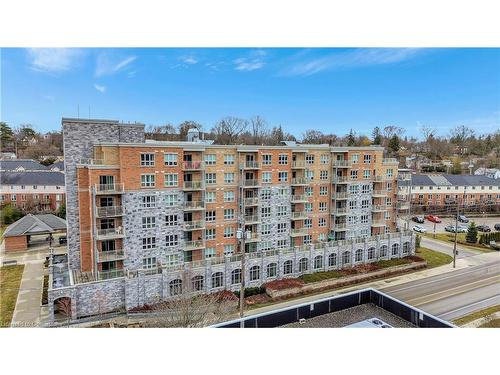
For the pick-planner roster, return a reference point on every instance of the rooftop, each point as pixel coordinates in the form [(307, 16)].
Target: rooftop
[(46, 177), (452, 180), (22, 165), (35, 224)]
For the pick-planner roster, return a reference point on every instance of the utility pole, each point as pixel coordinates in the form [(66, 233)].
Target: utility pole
[(456, 235), (240, 234)]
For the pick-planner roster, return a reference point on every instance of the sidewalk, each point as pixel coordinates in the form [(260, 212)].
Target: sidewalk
[(27, 311)]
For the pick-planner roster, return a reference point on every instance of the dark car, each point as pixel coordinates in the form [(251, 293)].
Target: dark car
[(463, 219), (418, 219), (63, 240), (483, 228), (497, 226)]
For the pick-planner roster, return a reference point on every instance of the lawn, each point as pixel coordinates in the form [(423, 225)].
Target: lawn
[(450, 237), (476, 315), (433, 258), (10, 279)]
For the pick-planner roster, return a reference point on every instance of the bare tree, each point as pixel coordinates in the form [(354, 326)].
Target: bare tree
[(185, 126), (228, 129), (64, 307), (392, 130), (461, 135), (259, 130)]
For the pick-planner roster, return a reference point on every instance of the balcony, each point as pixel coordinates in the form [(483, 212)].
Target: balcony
[(194, 245), (390, 161), (193, 165), (379, 208), (299, 215), (339, 227), (298, 165), (342, 164), (111, 274), (251, 219), (194, 225), (255, 237), (301, 181), (339, 211), (298, 232), (251, 183), (109, 234), (381, 178), (110, 256), (110, 211), (379, 193), (341, 179), (378, 223), (341, 195), (251, 201), (194, 205), (193, 185), (403, 205), (250, 165), (109, 188), (299, 198)]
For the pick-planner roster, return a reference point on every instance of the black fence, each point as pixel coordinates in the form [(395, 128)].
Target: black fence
[(309, 310)]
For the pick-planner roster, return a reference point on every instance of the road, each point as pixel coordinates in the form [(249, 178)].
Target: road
[(453, 294), (490, 221), (447, 248)]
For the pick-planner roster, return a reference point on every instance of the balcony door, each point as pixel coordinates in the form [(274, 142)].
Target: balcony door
[(107, 180)]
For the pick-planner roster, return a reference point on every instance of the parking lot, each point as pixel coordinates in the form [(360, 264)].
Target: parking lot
[(490, 221)]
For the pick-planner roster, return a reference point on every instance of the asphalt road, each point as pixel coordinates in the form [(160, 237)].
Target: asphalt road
[(455, 294), (443, 247), (490, 221)]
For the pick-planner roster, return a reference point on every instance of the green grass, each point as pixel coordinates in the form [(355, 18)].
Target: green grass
[(476, 315), (433, 258), (450, 237), (10, 279), (320, 276)]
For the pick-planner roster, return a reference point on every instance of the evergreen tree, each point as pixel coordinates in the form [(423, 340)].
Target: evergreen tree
[(377, 136), (351, 138), (394, 144), (471, 236)]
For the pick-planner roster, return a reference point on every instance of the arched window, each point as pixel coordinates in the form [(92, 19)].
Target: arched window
[(371, 253), (406, 248), (217, 280), (197, 282), (332, 260), (346, 257), (287, 267), (318, 262), (175, 287), (236, 276), (303, 264), (383, 251), (254, 273), (271, 270), (359, 255), (395, 249)]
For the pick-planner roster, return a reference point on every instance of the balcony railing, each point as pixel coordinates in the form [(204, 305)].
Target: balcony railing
[(109, 256), (300, 181), (193, 165), (379, 208), (194, 205), (339, 227), (90, 161), (252, 219), (254, 237), (341, 195), (194, 245), (299, 198), (340, 179), (109, 211), (250, 165), (299, 215), (251, 183), (298, 232), (390, 161), (109, 188), (251, 201), (298, 164), (379, 193), (381, 178), (378, 223), (111, 274), (193, 185), (403, 205), (339, 211), (342, 163), (110, 233), (194, 225)]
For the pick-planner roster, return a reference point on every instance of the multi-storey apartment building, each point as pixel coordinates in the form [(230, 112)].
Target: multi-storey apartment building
[(140, 206)]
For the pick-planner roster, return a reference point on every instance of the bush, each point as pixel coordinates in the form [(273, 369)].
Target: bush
[(10, 214), (251, 291), (417, 241), (471, 236), (487, 237)]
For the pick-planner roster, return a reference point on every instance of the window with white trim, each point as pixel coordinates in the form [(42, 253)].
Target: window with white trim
[(171, 220), (210, 216), (322, 222), (210, 159), (171, 199), (265, 229), (354, 158), (171, 179), (229, 196), (147, 159), (322, 206), (308, 223), (228, 232), (265, 194), (324, 158), (148, 222), (229, 178), (148, 243), (149, 201), (323, 175), (171, 240), (281, 244), (282, 210), (228, 213), (367, 174), (308, 191), (354, 174), (228, 249), (209, 252), (283, 159), (307, 239), (170, 160), (265, 212), (210, 233), (364, 219), (323, 190), (266, 177), (267, 159), (308, 207), (211, 178), (367, 159), (210, 197), (282, 228), (149, 263), (147, 180), (309, 159), (171, 259), (228, 159), (282, 176)]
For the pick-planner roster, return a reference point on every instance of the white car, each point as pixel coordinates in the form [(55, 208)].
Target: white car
[(419, 228)]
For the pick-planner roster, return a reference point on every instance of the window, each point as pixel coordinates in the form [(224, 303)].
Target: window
[(282, 228), (265, 212), (171, 240), (228, 249), (228, 232), (210, 196), (228, 213), (354, 189), (353, 205), (171, 220), (266, 177), (389, 172), (283, 176), (35, 186), (228, 159), (322, 222), (354, 174), (371, 253), (149, 201), (365, 203), (308, 223), (271, 270), (364, 219), (395, 249), (210, 233), (267, 159), (265, 194), (383, 251), (323, 190), (281, 244), (175, 287), (308, 207), (148, 263), (210, 178), (324, 158), (288, 267), (366, 174), (228, 196), (309, 174), (148, 243), (354, 158), (307, 239), (359, 255), (13, 197), (170, 160), (197, 283), (254, 273), (365, 189), (236, 276), (323, 175), (303, 264), (172, 259), (318, 262), (309, 191), (283, 192), (148, 222), (265, 245), (147, 180), (265, 229), (147, 160), (210, 216), (406, 248), (171, 179), (322, 206), (332, 260), (283, 159), (282, 210), (217, 280), (346, 257), (229, 178), (309, 159), (210, 159), (367, 159), (322, 237), (387, 215), (171, 199)]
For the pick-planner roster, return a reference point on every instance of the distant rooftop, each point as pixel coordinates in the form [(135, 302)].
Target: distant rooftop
[(21, 165), (452, 180), (35, 224), (46, 177)]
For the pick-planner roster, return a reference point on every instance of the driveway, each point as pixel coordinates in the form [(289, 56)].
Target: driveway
[(490, 221)]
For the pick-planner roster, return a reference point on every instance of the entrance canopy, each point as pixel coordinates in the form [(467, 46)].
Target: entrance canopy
[(35, 224)]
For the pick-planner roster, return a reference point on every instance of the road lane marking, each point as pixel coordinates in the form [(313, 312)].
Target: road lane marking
[(467, 306)]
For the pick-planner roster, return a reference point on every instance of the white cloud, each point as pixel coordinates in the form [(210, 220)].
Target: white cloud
[(53, 60), (107, 65), (100, 88), (191, 60), (253, 62), (357, 58)]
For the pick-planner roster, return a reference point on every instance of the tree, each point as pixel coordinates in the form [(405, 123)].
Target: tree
[(185, 126), (61, 212), (259, 131), (394, 144), (48, 161), (471, 236), (460, 136), (6, 134), (10, 214), (351, 138), (417, 241), (228, 129), (377, 136), (456, 168), (313, 137), (392, 130)]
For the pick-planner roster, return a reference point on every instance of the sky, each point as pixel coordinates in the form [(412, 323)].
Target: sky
[(328, 89)]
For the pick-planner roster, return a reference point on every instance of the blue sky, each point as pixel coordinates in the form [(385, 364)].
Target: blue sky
[(332, 90)]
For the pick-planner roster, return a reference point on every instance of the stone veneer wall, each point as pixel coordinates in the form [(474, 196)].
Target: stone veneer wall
[(355, 230), (276, 200), (79, 136)]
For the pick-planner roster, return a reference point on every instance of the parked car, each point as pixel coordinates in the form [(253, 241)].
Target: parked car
[(497, 226), (418, 219), (63, 240), (450, 228), (462, 229), (494, 245), (419, 228), (463, 219), (483, 228), (433, 218)]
